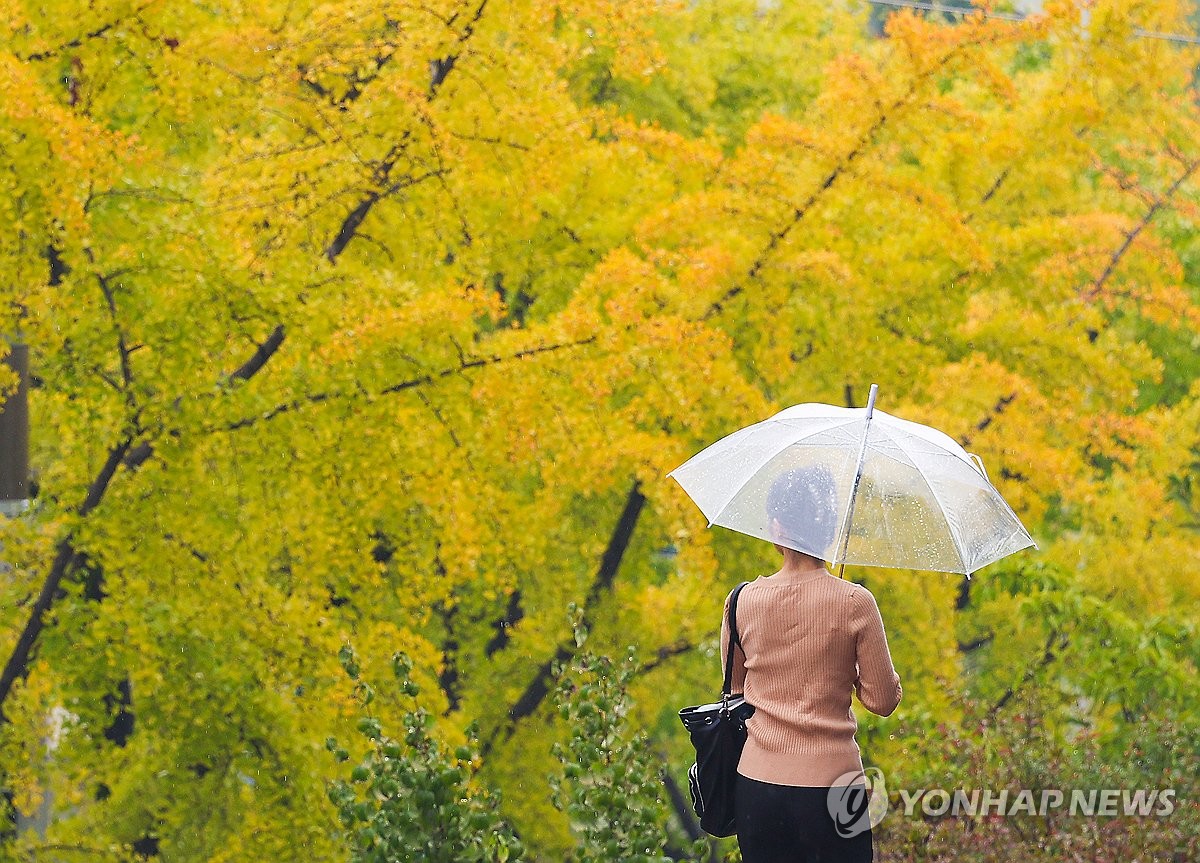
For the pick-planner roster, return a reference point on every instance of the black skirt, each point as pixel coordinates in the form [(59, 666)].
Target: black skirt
[(793, 824)]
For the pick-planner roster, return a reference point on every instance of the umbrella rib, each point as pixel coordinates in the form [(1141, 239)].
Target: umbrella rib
[(729, 478), (899, 437), (955, 541), (751, 474), (862, 454), (1018, 533)]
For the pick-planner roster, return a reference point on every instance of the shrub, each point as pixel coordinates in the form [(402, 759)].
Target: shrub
[(610, 786), (411, 798)]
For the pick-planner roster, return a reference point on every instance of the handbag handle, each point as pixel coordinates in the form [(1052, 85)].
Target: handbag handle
[(734, 639)]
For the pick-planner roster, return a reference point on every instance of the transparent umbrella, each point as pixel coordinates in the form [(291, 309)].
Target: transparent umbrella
[(855, 486)]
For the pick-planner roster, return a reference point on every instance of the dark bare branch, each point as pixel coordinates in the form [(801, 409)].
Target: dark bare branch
[(358, 81), (139, 454), (421, 380), (963, 599), (58, 267), (1001, 405), (665, 653), (122, 344), (538, 688), (65, 557), (683, 811), (440, 68), (93, 34), (840, 168), (350, 225), (514, 613), (356, 216), (1097, 286), (797, 216), (261, 356), (976, 643), (1055, 643), (995, 187)]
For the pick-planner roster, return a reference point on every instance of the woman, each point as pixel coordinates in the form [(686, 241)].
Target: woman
[(806, 639)]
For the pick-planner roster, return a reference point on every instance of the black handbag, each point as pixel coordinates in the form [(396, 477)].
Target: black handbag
[(718, 733)]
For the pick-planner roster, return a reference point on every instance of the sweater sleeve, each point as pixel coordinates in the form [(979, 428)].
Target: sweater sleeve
[(739, 657), (878, 684)]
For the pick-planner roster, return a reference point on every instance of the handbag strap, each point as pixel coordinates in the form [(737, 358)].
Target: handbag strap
[(734, 639)]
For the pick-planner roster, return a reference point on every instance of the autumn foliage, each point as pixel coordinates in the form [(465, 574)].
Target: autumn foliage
[(381, 324)]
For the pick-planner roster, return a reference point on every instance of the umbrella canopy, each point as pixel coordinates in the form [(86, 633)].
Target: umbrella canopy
[(856, 486)]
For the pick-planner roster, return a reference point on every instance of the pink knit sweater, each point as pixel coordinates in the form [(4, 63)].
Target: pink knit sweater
[(809, 639)]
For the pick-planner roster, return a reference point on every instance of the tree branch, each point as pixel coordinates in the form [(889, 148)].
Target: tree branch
[(122, 344), (995, 187), (349, 226), (252, 366), (448, 678), (356, 216), (1001, 405), (466, 365), (1093, 291), (65, 556), (262, 354), (539, 686), (94, 34), (963, 599), (798, 214), (975, 643), (1048, 655), (357, 82), (59, 269), (513, 615), (664, 653), (440, 68), (860, 147)]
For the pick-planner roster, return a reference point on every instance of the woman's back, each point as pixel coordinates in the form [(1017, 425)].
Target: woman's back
[(808, 640)]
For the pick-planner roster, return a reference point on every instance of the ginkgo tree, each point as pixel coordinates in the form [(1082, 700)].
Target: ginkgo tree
[(383, 323)]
